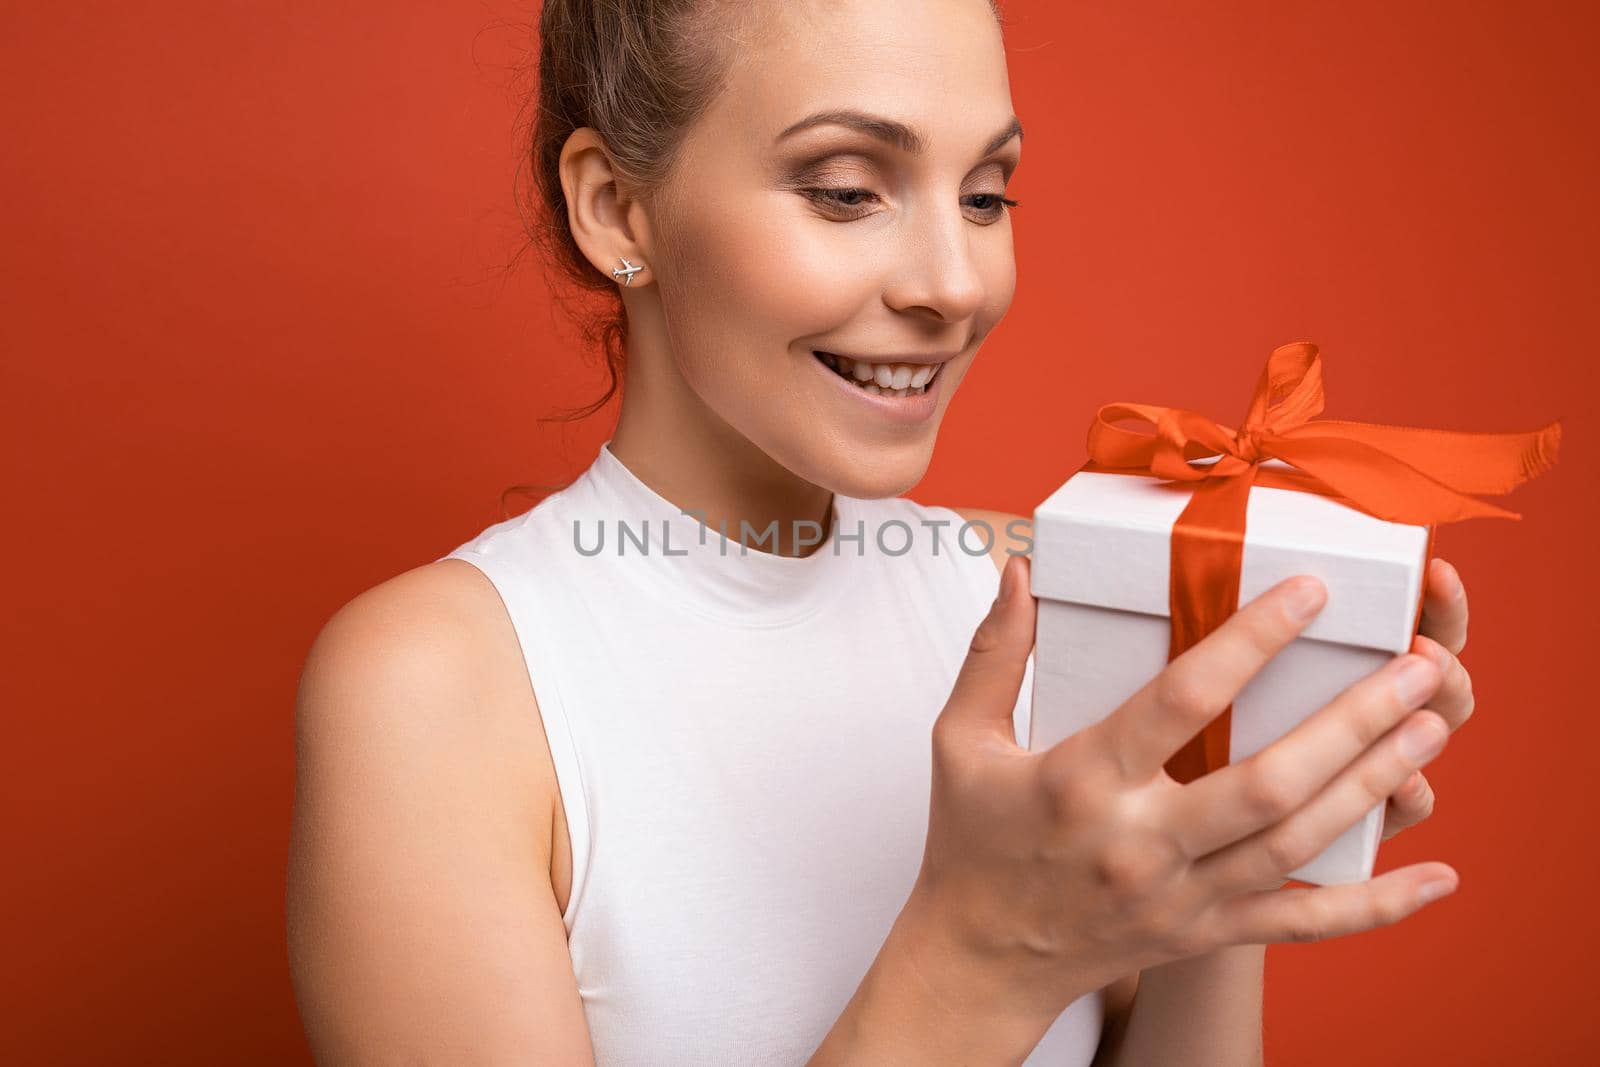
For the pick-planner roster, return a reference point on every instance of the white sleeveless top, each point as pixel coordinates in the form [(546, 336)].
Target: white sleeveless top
[(742, 744)]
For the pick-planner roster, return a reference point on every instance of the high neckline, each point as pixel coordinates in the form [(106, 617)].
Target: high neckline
[(701, 570)]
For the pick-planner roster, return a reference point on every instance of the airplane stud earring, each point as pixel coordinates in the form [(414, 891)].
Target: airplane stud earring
[(626, 271)]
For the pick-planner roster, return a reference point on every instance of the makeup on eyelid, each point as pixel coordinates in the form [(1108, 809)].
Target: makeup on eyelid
[(833, 187)]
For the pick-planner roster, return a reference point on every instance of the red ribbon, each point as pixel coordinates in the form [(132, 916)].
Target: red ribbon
[(1399, 473)]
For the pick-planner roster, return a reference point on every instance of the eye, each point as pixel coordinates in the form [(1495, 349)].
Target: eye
[(994, 201), (845, 198), (990, 205)]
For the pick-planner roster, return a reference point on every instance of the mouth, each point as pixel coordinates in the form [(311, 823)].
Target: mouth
[(882, 379)]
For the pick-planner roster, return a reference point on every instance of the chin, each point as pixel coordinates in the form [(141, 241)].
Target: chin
[(869, 472), (865, 449)]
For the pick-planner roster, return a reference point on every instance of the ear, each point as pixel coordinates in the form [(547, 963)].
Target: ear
[(607, 222)]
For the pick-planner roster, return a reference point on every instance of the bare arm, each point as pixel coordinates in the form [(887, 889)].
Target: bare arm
[(423, 922), (423, 926), (923, 1003), (1210, 1002)]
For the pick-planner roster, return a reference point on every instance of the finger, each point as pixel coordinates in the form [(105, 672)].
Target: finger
[(1454, 699), (1278, 915), (985, 692), (1444, 606), (1193, 689), (1238, 800), (1299, 838), (1411, 803)]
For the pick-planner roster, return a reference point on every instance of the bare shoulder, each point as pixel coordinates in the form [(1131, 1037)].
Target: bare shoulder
[(422, 919), (424, 658), (1011, 533)]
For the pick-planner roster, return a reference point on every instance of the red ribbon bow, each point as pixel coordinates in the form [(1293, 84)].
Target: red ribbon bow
[(1399, 473)]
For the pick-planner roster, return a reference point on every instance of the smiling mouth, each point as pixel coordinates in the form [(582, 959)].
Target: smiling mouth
[(882, 379)]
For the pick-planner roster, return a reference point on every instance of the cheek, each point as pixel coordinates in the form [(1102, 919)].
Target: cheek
[(744, 286), (999, 269), (768, 274)]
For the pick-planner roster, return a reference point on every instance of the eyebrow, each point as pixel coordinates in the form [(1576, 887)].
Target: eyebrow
[(888, 130)]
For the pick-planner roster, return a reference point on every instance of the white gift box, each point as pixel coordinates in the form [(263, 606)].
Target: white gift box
[(1101, 565)]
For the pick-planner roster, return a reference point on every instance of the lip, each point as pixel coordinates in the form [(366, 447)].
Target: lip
[(909, 410), (920, 360)]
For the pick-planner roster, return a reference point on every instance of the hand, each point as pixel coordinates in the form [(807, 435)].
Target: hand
[(1443, 636), (1059, 871)]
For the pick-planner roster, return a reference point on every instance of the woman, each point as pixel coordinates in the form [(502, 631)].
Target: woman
[(644, 774)]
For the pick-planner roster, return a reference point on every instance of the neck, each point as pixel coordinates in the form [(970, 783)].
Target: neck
[(683, 450)]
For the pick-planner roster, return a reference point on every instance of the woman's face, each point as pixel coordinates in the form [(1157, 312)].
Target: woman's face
[(892, 253)]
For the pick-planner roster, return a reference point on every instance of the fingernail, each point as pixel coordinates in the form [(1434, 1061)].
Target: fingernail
[(1432, 891), (1421, 740), (1007, 582), (1453, 583), (1306, 597)]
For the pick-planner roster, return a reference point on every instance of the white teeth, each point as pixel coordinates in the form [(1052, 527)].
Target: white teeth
[(882, 379)]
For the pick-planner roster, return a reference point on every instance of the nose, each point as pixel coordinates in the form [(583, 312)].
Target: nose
[(935, 268)]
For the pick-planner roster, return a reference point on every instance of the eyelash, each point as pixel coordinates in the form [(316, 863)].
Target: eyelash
[(831, 198)]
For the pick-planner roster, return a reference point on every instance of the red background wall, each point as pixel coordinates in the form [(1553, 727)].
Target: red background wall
[(259, 356)]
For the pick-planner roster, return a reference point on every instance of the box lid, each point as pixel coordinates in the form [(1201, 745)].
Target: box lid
[(1105, 540)]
